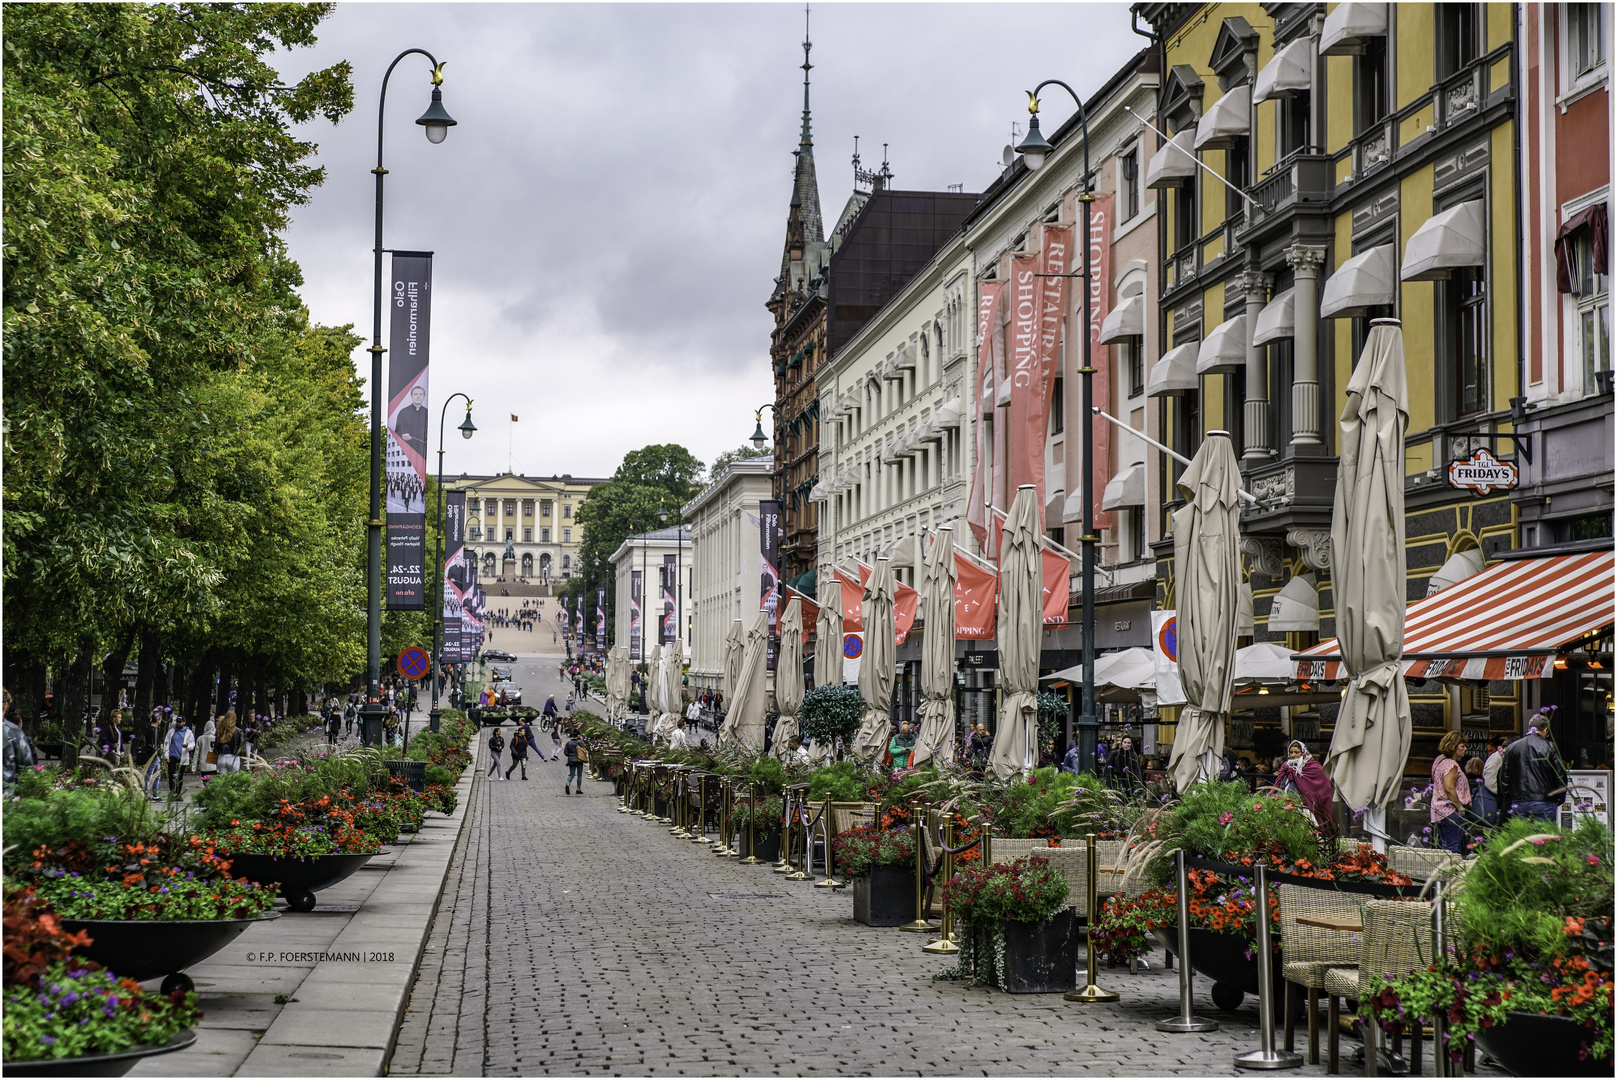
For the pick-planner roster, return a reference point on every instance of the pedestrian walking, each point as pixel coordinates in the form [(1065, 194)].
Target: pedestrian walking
[(1532, 778), (1451, 793), (333, 727), (19, 752), (227, 744), (180, 745), (576, 756), (496, 743), (1488, 792), (519, 753)]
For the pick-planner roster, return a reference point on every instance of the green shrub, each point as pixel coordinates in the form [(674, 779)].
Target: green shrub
[(83, 815), (1528, 880), (845, 781), (1226, 821), (767, 774), (1030, 807), (830, 713)]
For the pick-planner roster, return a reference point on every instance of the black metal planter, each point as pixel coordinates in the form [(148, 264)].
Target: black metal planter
[(1229, 960), (1040, 958), (99, 1064), (146, 948), (767, 845), (299, 879), (413, 773), (885, 896), (1530, 1044)]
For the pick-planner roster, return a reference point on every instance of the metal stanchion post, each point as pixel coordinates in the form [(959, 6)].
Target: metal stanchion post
[(920, 924), (681, 806), (752, 858), (1266, 1056), (806, 852), (1092, 994), (788, 831), (700, 835), (1440, 1058), (830, 881), (945, 944), (722, 847), (666, 819), (1186, 1020), (628, 784)]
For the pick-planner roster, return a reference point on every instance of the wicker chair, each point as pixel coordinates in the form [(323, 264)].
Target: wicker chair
[(1311, 952), (1397, 940), (1419, 863)]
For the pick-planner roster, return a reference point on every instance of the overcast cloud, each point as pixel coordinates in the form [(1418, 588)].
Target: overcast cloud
[(608, 215)]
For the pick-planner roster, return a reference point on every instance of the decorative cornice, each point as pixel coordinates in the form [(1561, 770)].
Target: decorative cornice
[(1305, 258), (1314, 545)]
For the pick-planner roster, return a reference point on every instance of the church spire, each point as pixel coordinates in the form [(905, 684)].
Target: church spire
[(804, 254), (806, 139)]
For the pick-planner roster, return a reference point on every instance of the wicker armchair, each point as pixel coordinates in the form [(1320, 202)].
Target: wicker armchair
[(1311, 952), (1397, 940), (1419, 863)]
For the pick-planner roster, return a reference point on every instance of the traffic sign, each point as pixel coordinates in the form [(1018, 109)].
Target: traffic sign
[(414, 663)]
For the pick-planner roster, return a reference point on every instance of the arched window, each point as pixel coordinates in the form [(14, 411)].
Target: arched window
[(527, 564), (544, 564), (488, 563)]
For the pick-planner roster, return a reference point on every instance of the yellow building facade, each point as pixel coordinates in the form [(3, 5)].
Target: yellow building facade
[(523, 527)]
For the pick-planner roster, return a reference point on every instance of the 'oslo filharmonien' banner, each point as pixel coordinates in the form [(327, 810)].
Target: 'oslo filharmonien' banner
[(406, 469)]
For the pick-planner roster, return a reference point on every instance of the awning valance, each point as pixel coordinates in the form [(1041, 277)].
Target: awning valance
[(1507, 622), (1224, 349), (1453, 238), (1290, 70), (1175, 373), (1127, 488), (1229, 118), (1175, 163), (1349, 25), (1369, 279), (1126, 320), (1278, 319)]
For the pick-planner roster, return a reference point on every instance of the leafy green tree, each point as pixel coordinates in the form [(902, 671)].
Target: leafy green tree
[(743, 452)]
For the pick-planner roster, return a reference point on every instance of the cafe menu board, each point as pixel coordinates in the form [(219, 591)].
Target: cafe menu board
[(1588, 795)]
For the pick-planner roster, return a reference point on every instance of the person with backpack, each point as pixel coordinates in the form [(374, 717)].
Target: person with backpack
[(180, 745), (576, 756), (333, 727), (519, 753), (496, 743)]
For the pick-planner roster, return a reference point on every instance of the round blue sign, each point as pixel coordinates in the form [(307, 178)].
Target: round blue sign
[(414, 663), (853, 646)]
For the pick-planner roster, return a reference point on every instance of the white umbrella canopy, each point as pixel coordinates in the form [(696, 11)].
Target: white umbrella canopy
[(654, 691), (734, 643), (876, 665), (1207, 564), (1020, 619), (1127, 669), (936, 737), (749, 704), (789, 677), (620, 681), (1264, 662), (1371, 743), (673, 687), (827, 649)]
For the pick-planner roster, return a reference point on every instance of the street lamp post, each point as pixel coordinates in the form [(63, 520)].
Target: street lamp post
[(1034, 149), (466, 428), (437, 123), (758, 440)]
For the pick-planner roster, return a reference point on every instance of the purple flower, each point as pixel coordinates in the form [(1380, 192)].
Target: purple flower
[(47, 1039)]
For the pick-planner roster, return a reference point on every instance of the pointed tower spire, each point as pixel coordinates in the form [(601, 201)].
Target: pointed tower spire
[(807, 138)]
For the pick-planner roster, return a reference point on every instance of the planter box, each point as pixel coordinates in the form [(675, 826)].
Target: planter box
[(1529, 1044), (1041, 958), (885, 896), (767, 845), (413, 773), (1231, 962)]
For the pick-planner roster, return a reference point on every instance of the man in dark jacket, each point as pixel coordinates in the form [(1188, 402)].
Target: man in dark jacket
[(1532, 779), (575, 768), (496, 743)]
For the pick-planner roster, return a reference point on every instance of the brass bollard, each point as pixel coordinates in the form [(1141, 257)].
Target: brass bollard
[(680, 807), (700, 835), (722, 847), (628, 783), (830, 881), (945, 944), (667, 809), (751, 827), (787, 834), (920, 924), (1092, 994), (800, 816)]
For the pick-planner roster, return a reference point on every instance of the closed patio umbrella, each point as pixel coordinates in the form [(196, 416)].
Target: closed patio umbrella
[(1207, 563), (1020, 619), (937, 734), (789, 677), (654, 691), (827, 651), (876, 665), (1371, 742), (673, 687), (749, 704), (734, 643)]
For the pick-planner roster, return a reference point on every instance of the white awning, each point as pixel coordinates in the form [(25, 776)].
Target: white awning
[(1296, 606), (1224, 349), (1073, 509), (1367, 280), (1263, 662), (1053, 508), (1128, 669), (1127, 488), (1229, 118), (1291, 70), (1175, 163), (1278, 319), (1348, 25), (819, 494), (1125, 321), (1245, 626), (906, 357), (1460, 565), (1175, 373), (1453, 238)]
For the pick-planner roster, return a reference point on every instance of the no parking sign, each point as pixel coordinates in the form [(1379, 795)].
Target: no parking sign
[(414, 663)]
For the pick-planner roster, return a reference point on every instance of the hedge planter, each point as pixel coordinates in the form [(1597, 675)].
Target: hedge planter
[(885, 896), (1531, 1044), (146, 948), (99, 1064), (299, 879)]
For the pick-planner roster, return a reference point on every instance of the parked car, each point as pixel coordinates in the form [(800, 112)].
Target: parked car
[(498, 656)]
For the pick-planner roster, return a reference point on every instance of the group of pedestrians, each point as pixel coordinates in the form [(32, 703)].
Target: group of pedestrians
[(560, 741), (1523, 778)]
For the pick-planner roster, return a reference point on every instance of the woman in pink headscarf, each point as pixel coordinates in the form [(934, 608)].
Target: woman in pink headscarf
[(1306, 776)]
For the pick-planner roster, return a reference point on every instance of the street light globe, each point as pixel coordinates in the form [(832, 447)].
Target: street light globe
[(1034, 147), (466, 426), (758, 436), (436, 119)]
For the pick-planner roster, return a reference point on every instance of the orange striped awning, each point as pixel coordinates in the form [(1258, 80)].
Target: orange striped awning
[(1507, 622)]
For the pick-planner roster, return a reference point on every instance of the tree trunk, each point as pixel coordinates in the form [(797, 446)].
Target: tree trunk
[(260, 688), (201, 696), (151, 659), (221, 703), (112, 678), (71, 696)]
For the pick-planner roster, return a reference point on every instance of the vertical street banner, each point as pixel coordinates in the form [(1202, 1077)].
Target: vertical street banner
[(670, 630), (468, 617), (1024, 438), (578, 606), (406, 463), (976, 600), (600, 619), (1099, 453), (988, 293), (635, 588), (769, 565), (454, 575)]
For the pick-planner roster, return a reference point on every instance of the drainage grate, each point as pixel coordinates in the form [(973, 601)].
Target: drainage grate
[(746, 895)]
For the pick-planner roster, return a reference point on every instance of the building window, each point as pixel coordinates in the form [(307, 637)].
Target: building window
[(1132, 354), (1133, 548), (1129, 189), (1457, 39), (1058, 407), (1185, 226), (1594, 307), (1586, 37), (1370, 85), (510, 508), (527, 508), (566, 562), (527, 564), (567, 536), (544, 534), (1296, 123), (1466, 333), (1238, 171), (544, 507), (510, 533), (527, 535), (567, 510)]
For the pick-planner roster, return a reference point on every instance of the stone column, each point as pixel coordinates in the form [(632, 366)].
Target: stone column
[(1255, 435), (1305, 260)]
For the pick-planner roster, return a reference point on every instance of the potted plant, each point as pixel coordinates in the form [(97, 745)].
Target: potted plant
[(1016, 930), (831, 715), (1531, 978), (880, 862), (762, 815)]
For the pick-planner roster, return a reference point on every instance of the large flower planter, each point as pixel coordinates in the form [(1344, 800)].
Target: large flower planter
[(1230, 961), (146, 948), (1040, 958), (885, 896), (413, 773), (766, 845), (299, 879), (1531, 1044), (99, 1064)]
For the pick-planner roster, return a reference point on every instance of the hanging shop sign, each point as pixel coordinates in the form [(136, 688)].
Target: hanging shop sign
[(1482, 473)]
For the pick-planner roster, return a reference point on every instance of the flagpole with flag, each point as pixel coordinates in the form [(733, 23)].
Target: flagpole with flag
[(510, 444)]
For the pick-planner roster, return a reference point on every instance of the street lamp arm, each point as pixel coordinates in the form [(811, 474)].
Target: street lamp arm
[(443, 412), (381, 105)]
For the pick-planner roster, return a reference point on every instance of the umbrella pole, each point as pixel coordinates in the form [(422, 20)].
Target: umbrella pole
[(1266, 1056), (1092, 994), (1186, 1021), (920, 924)]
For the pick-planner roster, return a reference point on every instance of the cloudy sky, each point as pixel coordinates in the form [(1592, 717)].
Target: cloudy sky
[(609, 214)]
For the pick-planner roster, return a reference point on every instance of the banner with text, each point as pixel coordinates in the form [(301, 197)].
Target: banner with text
[(769, 576), (976, 599), (454, 575), (406, 468), (1098, 455), (635, 586), (600, 619), (987, 333), (670, 632)]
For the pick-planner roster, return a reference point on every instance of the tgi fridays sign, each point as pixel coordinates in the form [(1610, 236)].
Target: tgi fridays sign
[(1482, 473), (1491, 668)]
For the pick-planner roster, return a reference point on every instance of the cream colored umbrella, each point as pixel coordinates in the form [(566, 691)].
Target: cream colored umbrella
[(654, 691), (1207, 567), (876, 665), (673, 688), (827, 650), (750, 703), (1020, 619), (937, 734), (734, 641), (620, 682), (611, 671), (789, 678), (1371, 742)]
